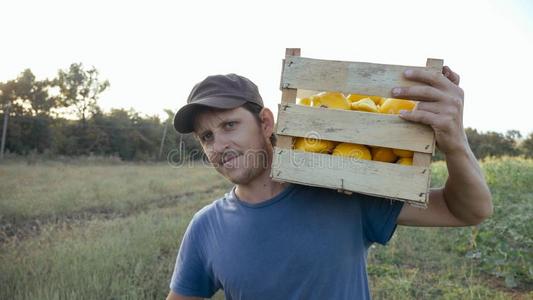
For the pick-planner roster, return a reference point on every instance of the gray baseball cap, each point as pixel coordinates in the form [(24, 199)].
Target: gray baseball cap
[(217, 91)]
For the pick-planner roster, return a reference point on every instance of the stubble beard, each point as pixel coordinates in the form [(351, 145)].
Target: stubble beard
[(251, 165)]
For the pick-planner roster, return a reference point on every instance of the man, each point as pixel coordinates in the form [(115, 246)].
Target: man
[(269, 240)]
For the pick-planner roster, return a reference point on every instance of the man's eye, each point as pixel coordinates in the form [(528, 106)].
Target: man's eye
[(206, 137), (231, 124)]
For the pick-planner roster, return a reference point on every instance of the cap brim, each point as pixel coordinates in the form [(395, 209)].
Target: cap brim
[(184, 118)]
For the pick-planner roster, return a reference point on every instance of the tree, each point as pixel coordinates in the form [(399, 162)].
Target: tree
[(526, 147), (35, 93), (492, 143), (8, 94), (29, 127), (513, 135), (80, 89)]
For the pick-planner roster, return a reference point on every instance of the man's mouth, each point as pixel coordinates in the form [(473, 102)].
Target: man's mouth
[(229, 158)]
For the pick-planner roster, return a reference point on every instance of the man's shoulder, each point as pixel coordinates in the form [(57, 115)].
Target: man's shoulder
[(208, 209)]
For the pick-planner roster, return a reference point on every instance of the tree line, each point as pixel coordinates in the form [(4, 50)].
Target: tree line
[(61, 116)]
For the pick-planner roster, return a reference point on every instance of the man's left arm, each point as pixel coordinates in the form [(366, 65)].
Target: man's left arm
[(465, 199)]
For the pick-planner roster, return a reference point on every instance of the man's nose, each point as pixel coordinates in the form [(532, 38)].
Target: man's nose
[(220, 143)]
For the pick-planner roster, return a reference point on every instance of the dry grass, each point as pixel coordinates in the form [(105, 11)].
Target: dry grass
[(113, 231)]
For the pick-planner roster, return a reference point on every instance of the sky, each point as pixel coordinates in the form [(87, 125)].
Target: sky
[(153, 52)]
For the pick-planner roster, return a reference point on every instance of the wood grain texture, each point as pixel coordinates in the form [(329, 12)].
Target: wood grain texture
[(435, 64), (288, 95), (354, 127), (306, 93), (406, 183), (341, 76)]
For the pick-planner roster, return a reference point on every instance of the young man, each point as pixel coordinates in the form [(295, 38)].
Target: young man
[(269, 240)]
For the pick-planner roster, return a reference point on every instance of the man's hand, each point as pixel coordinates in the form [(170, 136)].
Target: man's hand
[(440, 106), (465, 199)]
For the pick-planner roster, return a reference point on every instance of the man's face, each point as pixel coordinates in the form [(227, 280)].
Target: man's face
[(234, 143)]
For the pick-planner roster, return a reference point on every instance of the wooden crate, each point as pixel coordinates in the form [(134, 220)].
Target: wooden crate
[(302, 76)]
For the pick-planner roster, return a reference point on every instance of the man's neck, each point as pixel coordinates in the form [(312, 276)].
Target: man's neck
[(260, 189)]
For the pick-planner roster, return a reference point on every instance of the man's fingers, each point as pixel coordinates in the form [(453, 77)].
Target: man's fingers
[(420, 93), (429, 106), (419, 116), (451, 75), (426, 76)]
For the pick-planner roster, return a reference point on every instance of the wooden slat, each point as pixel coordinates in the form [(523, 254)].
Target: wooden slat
[(347, 77), (306, 93), (354, 127), (288, 95), (421, 159), (435, 64), (407, 183)]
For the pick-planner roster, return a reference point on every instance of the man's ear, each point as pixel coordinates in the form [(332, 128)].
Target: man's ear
[(267, 121)]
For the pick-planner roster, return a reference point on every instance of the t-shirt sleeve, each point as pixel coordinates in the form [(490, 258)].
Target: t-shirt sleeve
[(190, 277), (379, 218)]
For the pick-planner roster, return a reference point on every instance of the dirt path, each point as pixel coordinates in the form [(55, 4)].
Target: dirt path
[(32, 227)]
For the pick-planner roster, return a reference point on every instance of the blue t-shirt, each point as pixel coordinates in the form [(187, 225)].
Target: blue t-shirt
[(305, 243)]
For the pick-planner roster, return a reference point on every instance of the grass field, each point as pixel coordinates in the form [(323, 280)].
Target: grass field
[(111, 231)]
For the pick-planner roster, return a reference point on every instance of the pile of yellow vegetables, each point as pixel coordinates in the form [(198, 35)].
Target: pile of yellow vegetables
[(372, 104)]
